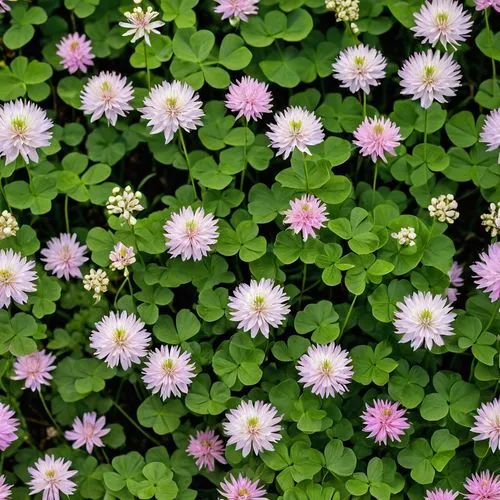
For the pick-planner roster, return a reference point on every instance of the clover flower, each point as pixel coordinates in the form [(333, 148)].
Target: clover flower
[(491, 220), (207, 448), (88, 431), (384, 420), (124, 203), (141, 24), (8, 225), (122, 257), (406, 236), (377, 136), (17, 276), (487, 271), (249, 98), (306, 214), (52, 477), (97, 282), (75, 51), (241, 488), (64, 256), (34, 369), (444, 208)]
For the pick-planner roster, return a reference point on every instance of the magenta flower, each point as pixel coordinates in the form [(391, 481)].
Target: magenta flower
[(439, 494), (377, 136), (16, 278), (237, 9), (456, 281), (326, 369), (206, 447), (8, 426), (4, 488), (384, 420), (64, 256), (87, 431), (487, 424), (190, 235), (253, 427), (241, 489), (75, 51), (306, 214), (249, 98), (169, 371), (490, 133), (483, 486), (34, 369), (484, 4), (487, 271), (52, 476)]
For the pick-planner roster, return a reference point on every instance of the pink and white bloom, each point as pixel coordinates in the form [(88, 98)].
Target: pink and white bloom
[(456, 281), (75, 51), (4, 6), (51, 476), (430, 77), (423, 318), (8, 426), (241, 488), (120, 338), (487, 271), (206, 447), (24, 127), (377, 136), (4, 486), (249, 98), (121, 257), (64, 256), (258, 305), (443, 21), (295, 128), (327, 369), (487, 424), (253, 427), (108, 94), (190, 235), (34, 369), (16, 278), (170, 107), (490, 133), (483, 486), (141, 24), (484, 4), (238, 10), (168, 371), (384, 420), (306, 214), (88, 431), (359, 67), (439, 494)]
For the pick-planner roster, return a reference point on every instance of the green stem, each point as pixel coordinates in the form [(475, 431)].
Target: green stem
[(306, 175), (374, 187), (364, 104), (493, 316), (425, 135), (66, 213), (245, 128), (304, 278), (349, 312), (135, 424), (47, 411), (490, 37), (118, 292), (146, 179), (188, 163), (2, 188), (105, 455), (148, 76), (131, 289)]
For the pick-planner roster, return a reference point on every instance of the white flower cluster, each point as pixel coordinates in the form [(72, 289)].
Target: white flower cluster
[(345, 10), (8, 225), (444, 208), (97, 282), (406, 236), (491, 220), (121, 257), (123, 204)]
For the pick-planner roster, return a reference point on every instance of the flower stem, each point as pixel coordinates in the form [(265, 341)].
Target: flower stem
[(306, 175), (374, 187), (2, 188), (425, 135), (245, 128), (131, 289), (188, 163), (492, 317), (120, 288), (47, 411), (135, 424), (66, 213), (490, 38), (349, 312), (364, 104), (148, 76), (304, 278)]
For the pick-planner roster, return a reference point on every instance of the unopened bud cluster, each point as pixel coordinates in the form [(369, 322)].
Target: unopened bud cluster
[(491, 220), (406, 236), (124, 204), (345, 10), (97, 282), (8, 225), (444, 208)]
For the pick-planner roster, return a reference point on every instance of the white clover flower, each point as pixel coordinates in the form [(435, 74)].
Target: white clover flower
[(444, 208), (140, 24), (124, 204), (97, 282), (345, 10), (491, 220), (8, 225), (405, 236)]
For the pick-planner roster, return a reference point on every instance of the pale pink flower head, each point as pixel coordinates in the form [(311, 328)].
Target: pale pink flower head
[(8, 426), (206, 447), (16, 278), (377, 136), (456, 281), (52, 476), (443, 21), (306, 214), (439, 494), (487, 271), (24, 127), (108, 94), (141, 24), (64, 256), (237, 10), (4, 486), (171, 106), (490, 133), (190, 235), (122, 257), (259, 305), (326, 369), (34, 369), (484, 4), (487, 424), (430, 77), (295, 128), (359, 67), (423, 318), (249, 98), (4, 6), (253, 427), (120, 338), (87, 431), (168, 371), (75, 51), (483, 486), (241, 488), (384, 420)]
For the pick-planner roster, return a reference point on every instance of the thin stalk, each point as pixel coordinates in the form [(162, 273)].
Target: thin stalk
[(148, 76), (245, 128), (306, 175), (146, 179), (188, 163), (492, 318), (425, 136), (374, 187), (135, 424), (47, 411), (105, 455), (364, 104), (349, 312), (66, 213), (118, 292), (490, 38), (131, 290), (304, 278)]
